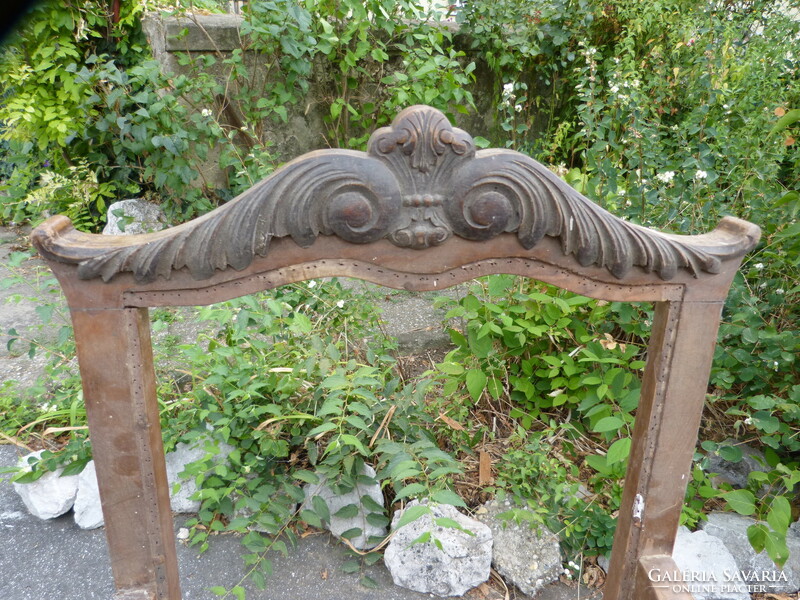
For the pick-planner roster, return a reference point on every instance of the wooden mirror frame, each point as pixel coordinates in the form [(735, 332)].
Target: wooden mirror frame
[(420, 210)]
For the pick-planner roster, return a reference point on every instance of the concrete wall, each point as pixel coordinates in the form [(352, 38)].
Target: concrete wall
[(171, 37)]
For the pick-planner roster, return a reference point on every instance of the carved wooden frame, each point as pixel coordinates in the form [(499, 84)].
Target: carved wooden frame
[(420, 210)]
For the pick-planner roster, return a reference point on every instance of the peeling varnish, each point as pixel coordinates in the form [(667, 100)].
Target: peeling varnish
[(638, 510)]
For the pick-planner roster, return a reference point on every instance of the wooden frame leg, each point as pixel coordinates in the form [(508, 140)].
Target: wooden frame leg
[(657, 578), (664, 438), (116, 363)]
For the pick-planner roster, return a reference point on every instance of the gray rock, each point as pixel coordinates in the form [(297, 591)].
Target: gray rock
[(603, 562), (49, 496), (710, 566), (530, 558), (183, 488), (736, 473), (132, 216), (88, 510), (339, 524), (449, 563), (731, 528)]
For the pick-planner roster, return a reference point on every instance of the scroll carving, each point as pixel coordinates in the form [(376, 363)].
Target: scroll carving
[(420, 182)]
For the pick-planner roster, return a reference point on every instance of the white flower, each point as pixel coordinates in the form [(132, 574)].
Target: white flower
[(780, 291), (748, 421), (312, 284), (340, 304), (758, 266), (700, 174), (614, 89), (206, 112), (666, 176), (508, 89)]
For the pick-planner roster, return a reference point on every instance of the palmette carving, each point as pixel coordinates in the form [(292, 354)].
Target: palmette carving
[(420, 182)]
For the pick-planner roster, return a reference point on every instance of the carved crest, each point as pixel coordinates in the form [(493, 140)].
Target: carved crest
[(420, 182)]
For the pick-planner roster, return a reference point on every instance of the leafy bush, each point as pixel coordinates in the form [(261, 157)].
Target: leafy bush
[(674, 113), (82, 93)]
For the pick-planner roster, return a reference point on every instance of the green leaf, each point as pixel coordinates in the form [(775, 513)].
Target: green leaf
[(731, 453), (742, 501), (421, 539), (787, 120), (347, 512), (351, 566), (355, 442), (450, 368), (780, 515), (312, 518), (324, 428), (775, 544), (608, 424), (370, 504), (321, 508), (411, 514), (74, 467), (765, 422), (476, 382), (306, 476), (598, 463), (411, 489), (448, 497), (351, 533), (451, 524), (618, 451), (368, 582), (495, 387), (377, 520)]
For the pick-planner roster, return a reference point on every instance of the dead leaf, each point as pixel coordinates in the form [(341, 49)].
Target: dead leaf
[(609, 343), (780, 111), (789, 141), (324, 574), (452, 423), (485, 469)]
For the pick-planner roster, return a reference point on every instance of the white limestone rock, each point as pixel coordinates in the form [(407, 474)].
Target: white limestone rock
[(529, 557), (88, 510), (49, 496), (449, 563), (183, 488), (371, 534), (132, 216), (710, 566), (731, 528)]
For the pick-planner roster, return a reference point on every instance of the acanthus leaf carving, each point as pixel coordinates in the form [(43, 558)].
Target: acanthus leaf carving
[(420, 182)]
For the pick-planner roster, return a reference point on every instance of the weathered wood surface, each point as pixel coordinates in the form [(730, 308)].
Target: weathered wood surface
[(658, 578), (420, 210), (420, 183)]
